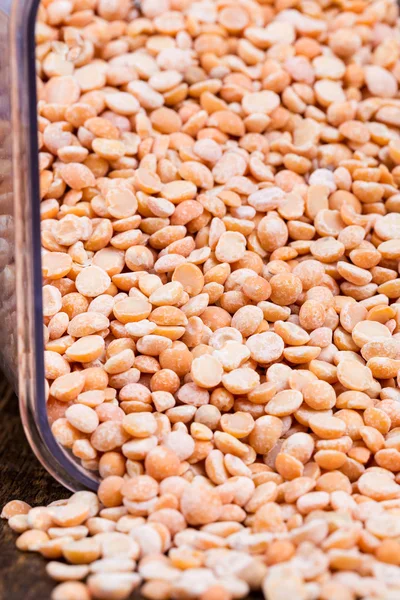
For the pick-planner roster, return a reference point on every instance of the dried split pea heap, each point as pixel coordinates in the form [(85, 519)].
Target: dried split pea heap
[(221, 241)]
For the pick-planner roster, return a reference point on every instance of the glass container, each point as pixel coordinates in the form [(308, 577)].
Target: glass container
[(21, 321)]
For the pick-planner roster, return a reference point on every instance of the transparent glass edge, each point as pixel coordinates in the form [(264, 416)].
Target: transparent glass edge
[(58, 462)]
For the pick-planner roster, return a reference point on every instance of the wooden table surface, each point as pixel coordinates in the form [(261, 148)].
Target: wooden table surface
[(22, 575)]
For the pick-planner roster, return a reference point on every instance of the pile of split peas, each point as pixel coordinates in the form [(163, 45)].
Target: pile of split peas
[(219, 186)]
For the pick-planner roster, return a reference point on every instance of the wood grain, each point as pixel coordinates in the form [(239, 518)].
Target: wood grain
[(22, 575)]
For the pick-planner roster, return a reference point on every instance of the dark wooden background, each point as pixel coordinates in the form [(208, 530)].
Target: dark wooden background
[(22, 575)]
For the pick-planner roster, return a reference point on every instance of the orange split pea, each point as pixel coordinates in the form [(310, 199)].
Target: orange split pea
[(220, 229)]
